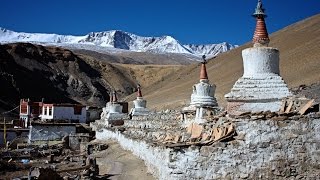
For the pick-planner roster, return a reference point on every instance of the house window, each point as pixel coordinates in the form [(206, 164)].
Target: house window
[(77, 110), (50, 111), (24, 109)]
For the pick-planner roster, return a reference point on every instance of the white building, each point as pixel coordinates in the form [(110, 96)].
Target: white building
[(70, 112), (29, 110)]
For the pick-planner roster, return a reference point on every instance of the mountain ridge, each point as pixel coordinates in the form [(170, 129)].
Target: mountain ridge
[(117, 40)]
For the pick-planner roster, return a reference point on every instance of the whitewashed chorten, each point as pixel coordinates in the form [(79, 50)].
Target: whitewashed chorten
[(140, 104), (115, 109), (202, 97), (203, 92), (261, 88)]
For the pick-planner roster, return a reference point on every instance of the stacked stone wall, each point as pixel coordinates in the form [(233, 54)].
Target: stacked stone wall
[(262, 149)]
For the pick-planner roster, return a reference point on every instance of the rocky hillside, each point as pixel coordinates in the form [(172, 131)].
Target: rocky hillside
[(59, 75), (299, 64), (130, 57)]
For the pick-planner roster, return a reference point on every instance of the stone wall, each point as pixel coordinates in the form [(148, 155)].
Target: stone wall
[(12, 134), (262, 149), (156, 158), (50, 132)]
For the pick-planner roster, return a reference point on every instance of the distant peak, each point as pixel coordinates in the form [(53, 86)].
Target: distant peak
[(120, 32), (3, 29), (168, 37)]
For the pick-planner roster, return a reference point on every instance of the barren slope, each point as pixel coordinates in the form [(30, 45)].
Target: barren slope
[(59, 75), (131, 57), (299, 64)]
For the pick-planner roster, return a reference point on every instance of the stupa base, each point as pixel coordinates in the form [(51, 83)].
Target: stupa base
[(240, 107), (140, 112), (116, 116)]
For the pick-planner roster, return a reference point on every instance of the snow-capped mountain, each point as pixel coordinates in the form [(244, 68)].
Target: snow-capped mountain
[(210, 49), (116, 39)]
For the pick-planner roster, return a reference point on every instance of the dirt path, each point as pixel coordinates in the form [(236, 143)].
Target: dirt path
[(121, 164)]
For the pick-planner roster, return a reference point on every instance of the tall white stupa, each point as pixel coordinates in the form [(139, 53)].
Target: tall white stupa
[(261, 88)]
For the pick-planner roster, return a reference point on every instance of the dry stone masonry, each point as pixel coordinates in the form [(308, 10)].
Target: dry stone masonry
[(263, 147)]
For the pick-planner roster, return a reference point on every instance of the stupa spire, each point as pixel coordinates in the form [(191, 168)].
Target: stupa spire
[(110, 96), (114, 96), (139, 94), (260, 37), (203, 70)]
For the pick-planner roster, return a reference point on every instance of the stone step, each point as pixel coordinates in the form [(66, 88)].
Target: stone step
[(266, 90), (259, 86)]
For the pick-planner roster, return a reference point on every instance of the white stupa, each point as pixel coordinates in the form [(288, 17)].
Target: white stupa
[(115, 110), (105, 110), (140, 104), (261, 88), (202, 96)]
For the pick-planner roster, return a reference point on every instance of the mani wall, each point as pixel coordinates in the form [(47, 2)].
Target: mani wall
[(261, 149)]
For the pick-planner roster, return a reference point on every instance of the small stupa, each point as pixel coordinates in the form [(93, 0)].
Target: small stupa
[(202, 96), (261, 88), (105, 110), (140, 104), (203, 92), (115, 109)]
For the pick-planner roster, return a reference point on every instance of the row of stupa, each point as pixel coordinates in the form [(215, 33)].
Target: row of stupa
[(114, 109), (261, 88)]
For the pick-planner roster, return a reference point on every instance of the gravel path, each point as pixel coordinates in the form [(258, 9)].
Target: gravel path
[(121, 164)]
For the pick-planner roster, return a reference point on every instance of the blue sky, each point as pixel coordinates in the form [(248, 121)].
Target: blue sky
[(189, 21)]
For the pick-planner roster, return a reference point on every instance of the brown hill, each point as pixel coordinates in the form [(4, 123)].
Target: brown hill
[(140, 58), (299, 64), (59, 75)]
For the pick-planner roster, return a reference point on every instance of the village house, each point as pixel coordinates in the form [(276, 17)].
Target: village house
[(70, 112), (39, 110), (29, 110)]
